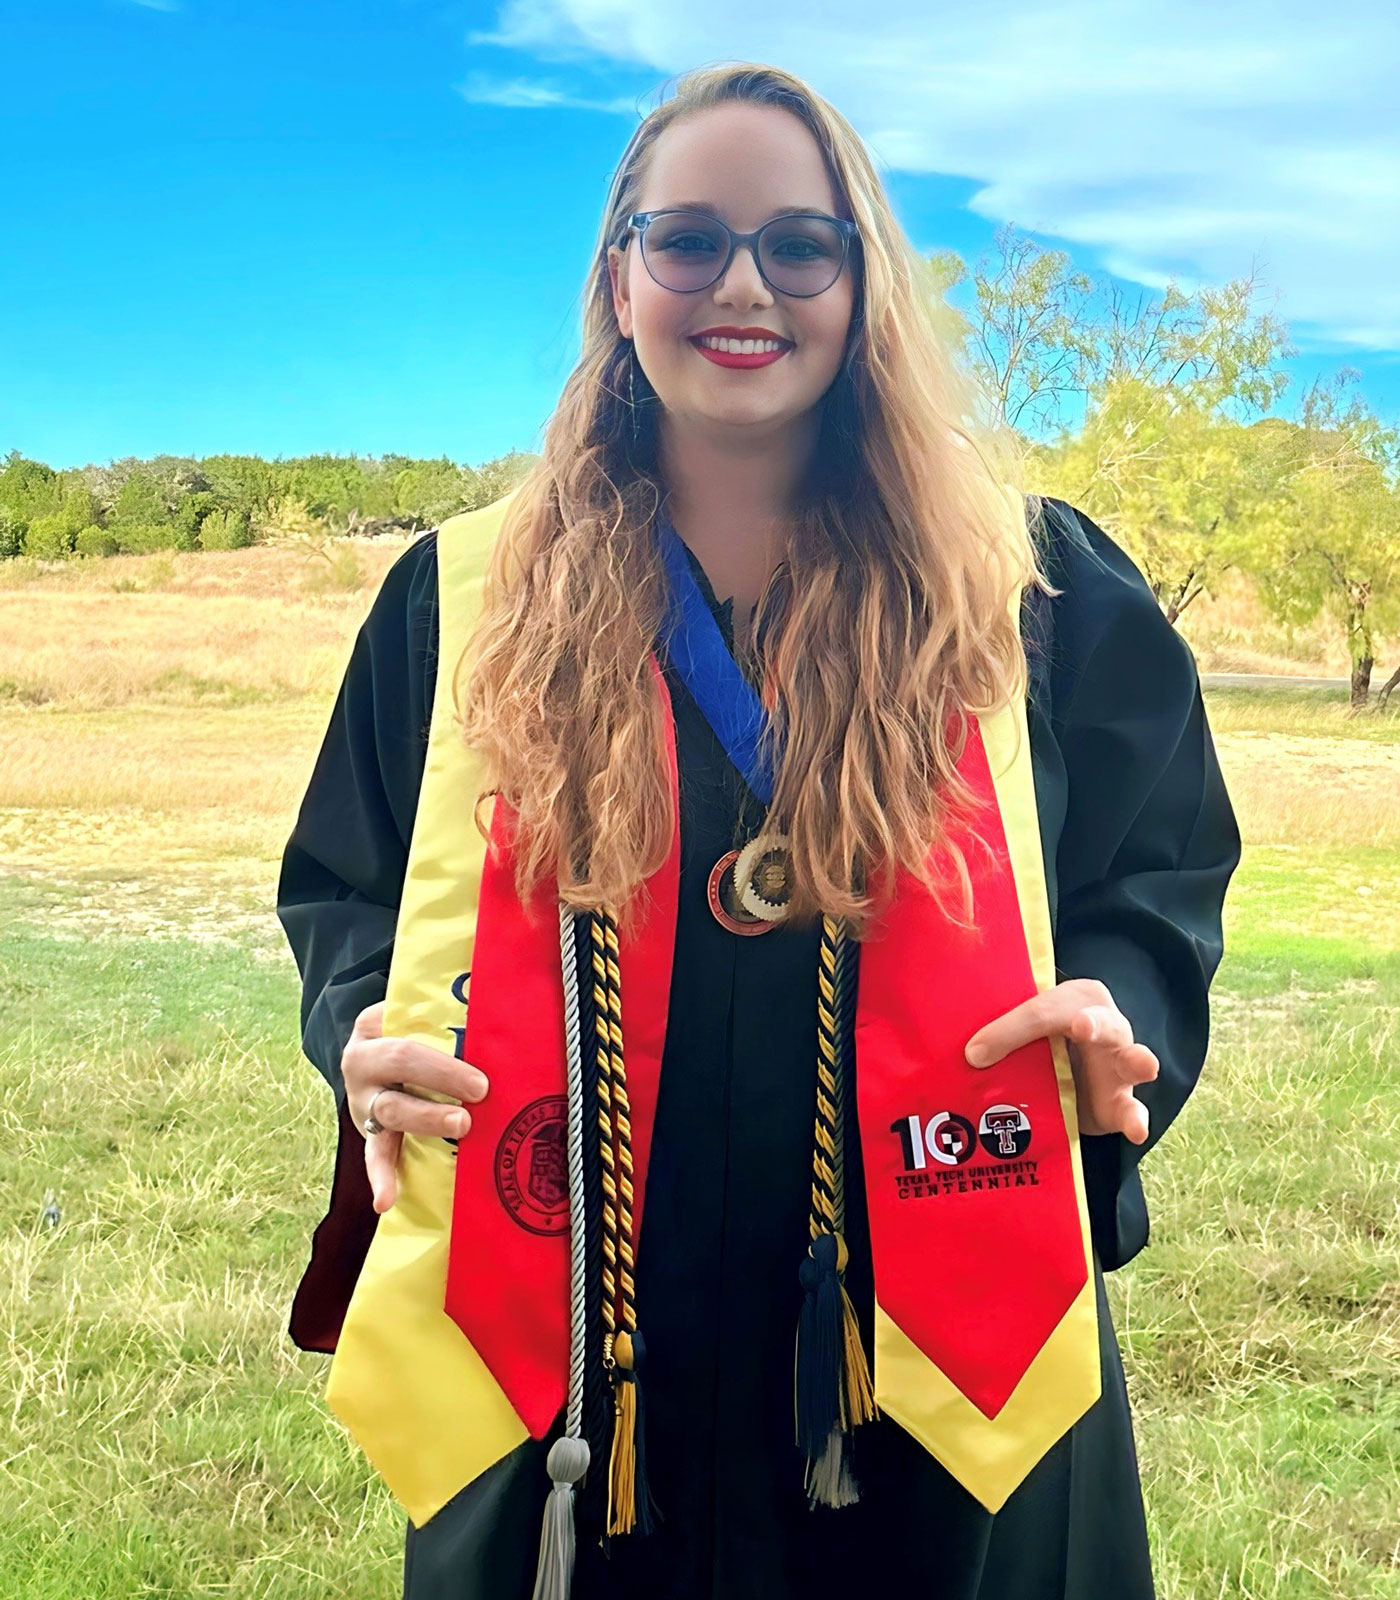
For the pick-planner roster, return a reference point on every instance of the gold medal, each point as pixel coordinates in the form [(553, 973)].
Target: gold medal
[(763, 876)]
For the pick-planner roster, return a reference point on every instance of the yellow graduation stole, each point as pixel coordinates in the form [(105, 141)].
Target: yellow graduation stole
[(438, 1382)]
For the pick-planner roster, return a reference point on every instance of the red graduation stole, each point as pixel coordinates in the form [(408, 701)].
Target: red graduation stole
[(455, 1346)]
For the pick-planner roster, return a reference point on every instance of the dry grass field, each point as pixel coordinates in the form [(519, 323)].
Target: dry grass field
[(160, 1437)]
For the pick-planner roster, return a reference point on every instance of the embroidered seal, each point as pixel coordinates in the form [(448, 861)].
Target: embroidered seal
[(532, 1166)]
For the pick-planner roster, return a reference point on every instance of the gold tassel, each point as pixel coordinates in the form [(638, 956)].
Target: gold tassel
[(858, 1394), (622, 1467)]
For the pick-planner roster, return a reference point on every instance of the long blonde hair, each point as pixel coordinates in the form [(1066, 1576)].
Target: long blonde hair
[(887, 620)]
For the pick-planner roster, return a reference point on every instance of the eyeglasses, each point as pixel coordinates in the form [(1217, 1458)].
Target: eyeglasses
[(799, 255)]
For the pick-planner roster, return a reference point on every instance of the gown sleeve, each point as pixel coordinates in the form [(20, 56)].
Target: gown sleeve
[(1148, 846), (343, 866), (338, 895)]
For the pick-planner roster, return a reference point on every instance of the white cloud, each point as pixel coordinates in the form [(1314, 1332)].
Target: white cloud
[(533, 94), (1200, 140)]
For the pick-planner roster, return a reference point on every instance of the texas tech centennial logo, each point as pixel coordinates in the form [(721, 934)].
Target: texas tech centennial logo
[(532, 1166), (941, 1153)]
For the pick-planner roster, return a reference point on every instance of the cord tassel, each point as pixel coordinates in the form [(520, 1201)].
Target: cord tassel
[(832, 1391), (568, 1461), (630, 1507), (819, 1389)]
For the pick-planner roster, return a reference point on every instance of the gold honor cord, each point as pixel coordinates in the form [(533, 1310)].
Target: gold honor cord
[(832, 1391), (823, 1214), (629, 1498)]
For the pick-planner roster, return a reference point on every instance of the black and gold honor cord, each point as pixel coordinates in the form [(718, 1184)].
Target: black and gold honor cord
[(832, 1392), (629, 1500)]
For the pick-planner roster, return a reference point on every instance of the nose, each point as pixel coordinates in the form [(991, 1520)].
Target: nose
[(742, 283)]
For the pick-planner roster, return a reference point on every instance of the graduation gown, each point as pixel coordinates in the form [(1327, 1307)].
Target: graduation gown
[(1139, 842)]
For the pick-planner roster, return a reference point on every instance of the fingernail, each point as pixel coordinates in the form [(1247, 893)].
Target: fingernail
[(978, 1055), (460, 1124), (479, 1086)]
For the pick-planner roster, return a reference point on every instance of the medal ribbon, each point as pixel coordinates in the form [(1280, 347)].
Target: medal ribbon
[(695, 647)]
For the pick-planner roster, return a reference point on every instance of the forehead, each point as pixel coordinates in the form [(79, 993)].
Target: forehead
[(745, 163)]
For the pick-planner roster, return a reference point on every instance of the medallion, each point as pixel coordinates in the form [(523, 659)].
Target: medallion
[(748, 889)]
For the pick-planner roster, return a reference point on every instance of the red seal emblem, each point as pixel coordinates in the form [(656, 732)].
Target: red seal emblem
[(532, 1166), (724, 903)]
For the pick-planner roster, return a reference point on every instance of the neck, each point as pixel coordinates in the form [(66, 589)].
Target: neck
[(732, 501)]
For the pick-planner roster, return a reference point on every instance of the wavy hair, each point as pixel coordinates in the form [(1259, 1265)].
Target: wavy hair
[(887, 620)]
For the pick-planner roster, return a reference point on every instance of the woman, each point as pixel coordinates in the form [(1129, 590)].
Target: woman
[(822, 494)]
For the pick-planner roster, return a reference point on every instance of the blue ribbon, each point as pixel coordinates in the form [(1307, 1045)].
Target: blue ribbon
[(695, 647)]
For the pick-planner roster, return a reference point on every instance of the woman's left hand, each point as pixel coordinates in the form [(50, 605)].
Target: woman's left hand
[(1099, 1041)]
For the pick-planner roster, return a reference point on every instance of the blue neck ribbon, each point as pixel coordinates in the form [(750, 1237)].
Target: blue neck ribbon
[(695, 647)]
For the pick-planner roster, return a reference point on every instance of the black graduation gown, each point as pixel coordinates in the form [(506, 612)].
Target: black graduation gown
[(1139, 841)]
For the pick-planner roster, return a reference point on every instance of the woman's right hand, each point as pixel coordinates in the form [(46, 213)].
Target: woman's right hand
[(369, 1063)]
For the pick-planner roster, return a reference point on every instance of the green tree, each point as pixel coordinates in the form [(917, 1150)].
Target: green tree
[(1337, 547), (1175, 482), (500, 475), (1159, 457), (28, 489), (1028, 337), (141, 501), (428, 492), (242, 483)]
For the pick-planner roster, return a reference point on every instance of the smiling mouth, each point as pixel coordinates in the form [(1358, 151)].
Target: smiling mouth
[(740, 354), (727, 345)]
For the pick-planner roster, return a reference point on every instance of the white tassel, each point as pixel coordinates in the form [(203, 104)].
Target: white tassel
[(568, 1461), (829, 1480)]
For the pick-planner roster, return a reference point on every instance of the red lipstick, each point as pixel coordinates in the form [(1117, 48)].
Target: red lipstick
[(727, 358)]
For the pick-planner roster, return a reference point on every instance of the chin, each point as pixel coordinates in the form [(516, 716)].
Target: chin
[(753, 414)]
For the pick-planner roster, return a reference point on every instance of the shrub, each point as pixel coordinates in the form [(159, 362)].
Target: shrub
[(139, 538), (95, 541), (225, 530), (11, 535), (49, 538)]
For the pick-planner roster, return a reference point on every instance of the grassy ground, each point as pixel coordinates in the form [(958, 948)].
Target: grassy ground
[(161, 1437)]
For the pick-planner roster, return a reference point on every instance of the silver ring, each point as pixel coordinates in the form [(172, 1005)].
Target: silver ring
[(371, 1124)]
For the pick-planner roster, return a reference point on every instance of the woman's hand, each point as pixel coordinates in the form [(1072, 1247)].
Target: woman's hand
[(369, 1063), (1099, 1041)]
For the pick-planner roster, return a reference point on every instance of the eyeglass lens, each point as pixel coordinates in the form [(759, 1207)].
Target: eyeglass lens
[(685, 250)]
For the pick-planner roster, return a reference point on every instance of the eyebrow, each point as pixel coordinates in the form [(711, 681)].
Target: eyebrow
[(713, 210)]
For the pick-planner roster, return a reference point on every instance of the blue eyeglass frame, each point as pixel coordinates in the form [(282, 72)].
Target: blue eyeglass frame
[(639, 221)]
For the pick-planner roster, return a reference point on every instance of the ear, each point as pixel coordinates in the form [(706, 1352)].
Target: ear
[(622, 303)]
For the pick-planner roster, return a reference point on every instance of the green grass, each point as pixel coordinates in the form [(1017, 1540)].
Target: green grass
[(162, 1438), (161, 1435), (1261, 1328), (1309, 712)]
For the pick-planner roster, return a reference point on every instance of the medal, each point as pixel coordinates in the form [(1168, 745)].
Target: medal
[(749, 889)]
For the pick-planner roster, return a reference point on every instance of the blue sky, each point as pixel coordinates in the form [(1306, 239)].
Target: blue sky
[(281, 228)]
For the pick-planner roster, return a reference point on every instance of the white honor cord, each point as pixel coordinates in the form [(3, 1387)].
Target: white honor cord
[(568, 955), (567, 1461)]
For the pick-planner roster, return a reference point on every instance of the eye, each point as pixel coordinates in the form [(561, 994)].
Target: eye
[(686, 243), (801, 247)]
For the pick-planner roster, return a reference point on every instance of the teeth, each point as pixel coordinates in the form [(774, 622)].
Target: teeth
[(743, 347)]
